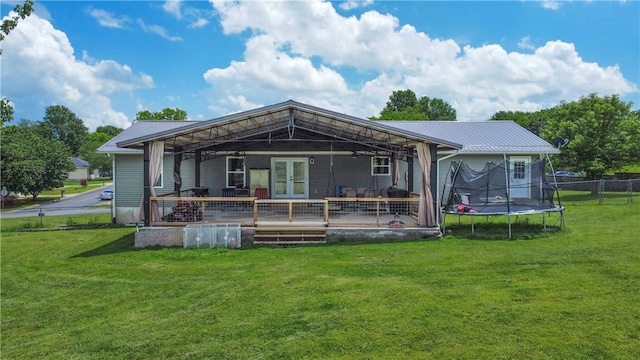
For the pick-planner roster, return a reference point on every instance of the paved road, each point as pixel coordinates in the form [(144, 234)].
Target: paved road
[(69, 205)]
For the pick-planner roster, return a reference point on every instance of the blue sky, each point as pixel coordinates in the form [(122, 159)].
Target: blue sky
[(107, 60)]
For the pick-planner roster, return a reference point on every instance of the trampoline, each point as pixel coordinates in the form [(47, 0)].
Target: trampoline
[(514, 187)]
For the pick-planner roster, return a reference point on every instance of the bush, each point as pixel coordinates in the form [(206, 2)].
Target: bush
[(84, 182)]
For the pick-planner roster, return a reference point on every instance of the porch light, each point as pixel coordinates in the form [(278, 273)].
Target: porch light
[(311, 160)]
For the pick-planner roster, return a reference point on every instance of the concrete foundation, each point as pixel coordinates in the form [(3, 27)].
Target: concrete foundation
[(172, 236), (158, 236)]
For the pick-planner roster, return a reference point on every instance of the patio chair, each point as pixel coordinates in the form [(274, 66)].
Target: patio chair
[(262, 193), (352, 194), (368, 205), (243, 192), (228, 192)]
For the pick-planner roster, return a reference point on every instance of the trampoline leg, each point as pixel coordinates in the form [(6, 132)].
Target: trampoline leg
[(509, 220), (472, 227)]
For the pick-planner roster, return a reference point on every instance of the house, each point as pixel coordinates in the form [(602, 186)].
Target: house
[(81, 171), (294, 164)]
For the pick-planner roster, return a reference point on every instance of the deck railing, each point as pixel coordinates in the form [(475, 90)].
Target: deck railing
[(249, 211)]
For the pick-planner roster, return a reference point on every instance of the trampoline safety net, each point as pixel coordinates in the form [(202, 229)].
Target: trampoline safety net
[(512, 186)]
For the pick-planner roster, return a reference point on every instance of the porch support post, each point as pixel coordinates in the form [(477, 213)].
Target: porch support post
[(147, 184), (198, 161), (410, 173), (177, 178), (434, 178)]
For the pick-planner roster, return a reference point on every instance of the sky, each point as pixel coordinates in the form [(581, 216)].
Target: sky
[(108, 60)]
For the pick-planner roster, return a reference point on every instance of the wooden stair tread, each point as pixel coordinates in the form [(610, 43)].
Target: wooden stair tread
[(285, 235)]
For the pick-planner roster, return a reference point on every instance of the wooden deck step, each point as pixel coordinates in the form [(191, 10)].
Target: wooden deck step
[(289, 235)]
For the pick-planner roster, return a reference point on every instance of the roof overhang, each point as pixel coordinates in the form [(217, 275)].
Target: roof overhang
[(285, 122)]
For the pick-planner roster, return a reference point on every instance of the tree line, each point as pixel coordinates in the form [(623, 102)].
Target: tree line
[(37, 155)]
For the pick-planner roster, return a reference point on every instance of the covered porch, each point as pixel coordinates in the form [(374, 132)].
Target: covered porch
[(292, 165)]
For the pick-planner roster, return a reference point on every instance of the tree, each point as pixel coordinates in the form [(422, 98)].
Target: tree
[(31, 163), (102, 162), (531, 121), (110, 130), (165, 114), (400, 100), (404, 105), (6, 111), (436, 109), (62, 124), (603, 134), (22, 11)]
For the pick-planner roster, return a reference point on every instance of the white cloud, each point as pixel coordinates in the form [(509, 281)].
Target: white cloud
[(158, 30), (173, 7), (178, 8), (107, 19), (550, 4), (198, 23), (354, 4), (39, 63), (525, 43), (304, 50)]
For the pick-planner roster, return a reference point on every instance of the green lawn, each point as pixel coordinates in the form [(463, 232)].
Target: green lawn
[(74, 187), (88, 294)]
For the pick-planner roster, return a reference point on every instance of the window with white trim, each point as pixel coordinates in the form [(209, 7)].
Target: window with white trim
[(380, 166), (159, 183), (235, 171)]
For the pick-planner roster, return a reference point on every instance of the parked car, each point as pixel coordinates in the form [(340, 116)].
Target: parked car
[(106, 195)]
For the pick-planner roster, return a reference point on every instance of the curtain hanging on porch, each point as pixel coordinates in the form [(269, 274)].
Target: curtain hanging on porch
[(156, 155), (426, 213)]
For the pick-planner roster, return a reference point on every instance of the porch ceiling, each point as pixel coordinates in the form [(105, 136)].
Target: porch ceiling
[(285, 122)]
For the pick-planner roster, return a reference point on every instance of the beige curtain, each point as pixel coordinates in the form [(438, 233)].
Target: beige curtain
[(426, 212), (156, 156)]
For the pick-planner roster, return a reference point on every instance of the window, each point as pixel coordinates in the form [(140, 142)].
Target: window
[(159, 183), (519, 169), (235, 171), (380, 166)]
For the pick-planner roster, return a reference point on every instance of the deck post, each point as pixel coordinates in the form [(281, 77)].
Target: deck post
[(198, 161)]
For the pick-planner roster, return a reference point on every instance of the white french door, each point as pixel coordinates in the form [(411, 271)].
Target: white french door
[(520, 177), (290, 178)]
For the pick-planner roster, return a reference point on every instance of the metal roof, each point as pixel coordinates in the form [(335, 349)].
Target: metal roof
[(138, 129), (487, 137), (285, 121)]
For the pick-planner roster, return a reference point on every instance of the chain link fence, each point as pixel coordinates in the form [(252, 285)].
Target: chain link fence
[(607, 191)]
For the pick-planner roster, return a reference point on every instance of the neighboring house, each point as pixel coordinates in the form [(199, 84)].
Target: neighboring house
[(81, 171), (297, 151)]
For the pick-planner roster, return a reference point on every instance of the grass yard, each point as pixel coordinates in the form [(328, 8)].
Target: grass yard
[(88, 294)]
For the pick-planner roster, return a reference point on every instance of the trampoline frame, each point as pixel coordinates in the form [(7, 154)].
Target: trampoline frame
[(511, 208)]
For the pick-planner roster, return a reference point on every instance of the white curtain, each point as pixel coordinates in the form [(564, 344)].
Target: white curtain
[(156, 156), (426, 212)]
